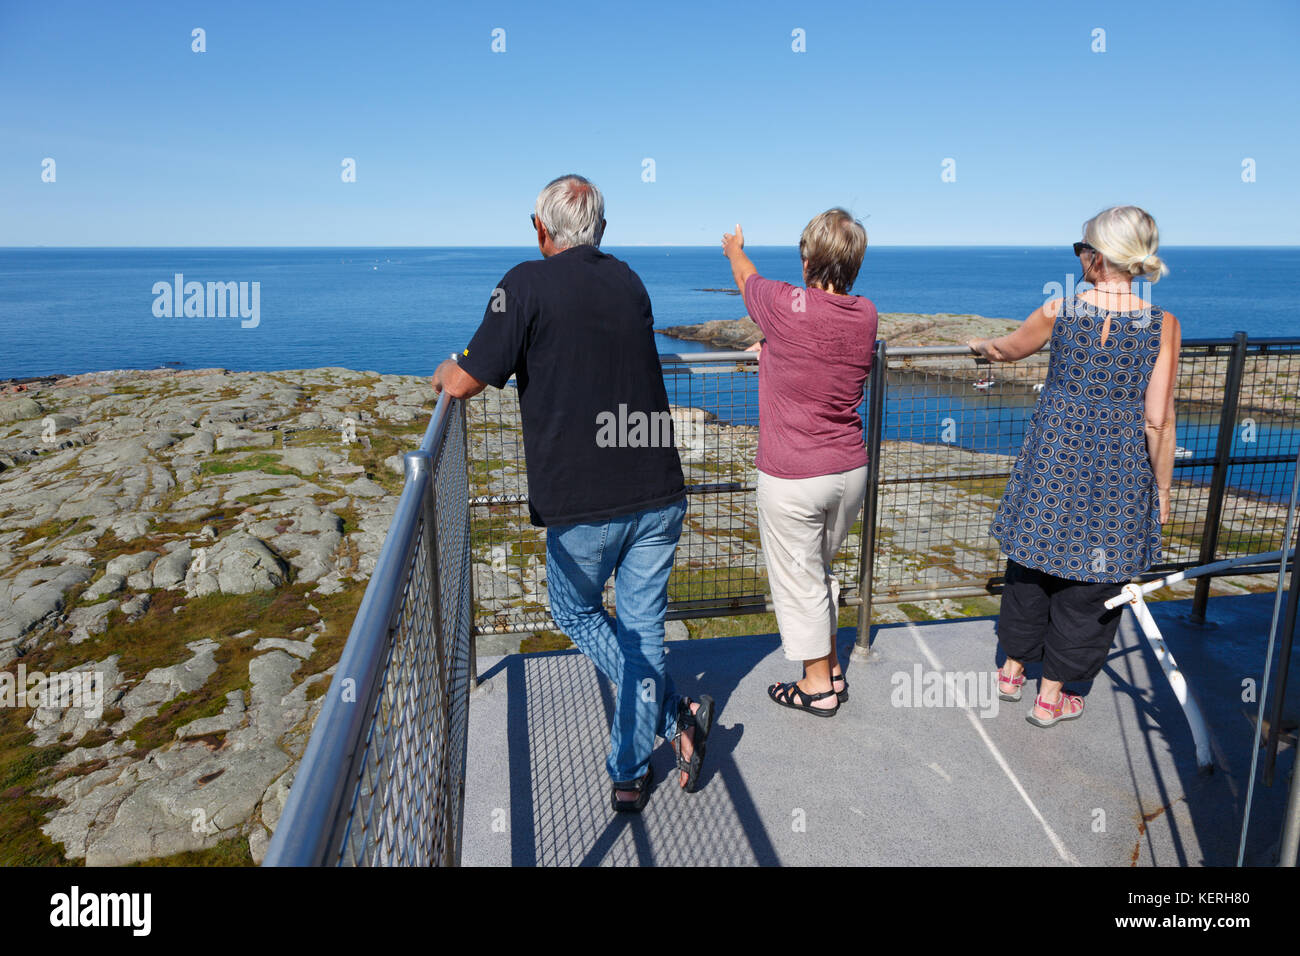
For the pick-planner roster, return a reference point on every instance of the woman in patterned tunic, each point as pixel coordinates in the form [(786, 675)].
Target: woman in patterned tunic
[(1090, 489)]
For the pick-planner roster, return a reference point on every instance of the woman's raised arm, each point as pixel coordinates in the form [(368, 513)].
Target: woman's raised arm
[(733, 247)]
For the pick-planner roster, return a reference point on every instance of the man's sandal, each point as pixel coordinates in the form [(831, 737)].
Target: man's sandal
[(642, 788), (792, 696), (701, 721), (1016, 682), (1057, 710)]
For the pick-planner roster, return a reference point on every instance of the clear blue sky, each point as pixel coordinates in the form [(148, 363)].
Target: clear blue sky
[(242, 145)]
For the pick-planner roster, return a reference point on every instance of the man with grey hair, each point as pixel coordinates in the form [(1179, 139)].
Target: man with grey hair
[(576, 331)]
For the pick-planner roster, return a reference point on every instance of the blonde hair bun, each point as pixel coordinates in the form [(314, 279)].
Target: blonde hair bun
[(1127, 238)]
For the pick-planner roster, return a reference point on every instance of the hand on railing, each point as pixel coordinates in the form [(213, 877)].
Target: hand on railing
[(458, 383), (439, 379)]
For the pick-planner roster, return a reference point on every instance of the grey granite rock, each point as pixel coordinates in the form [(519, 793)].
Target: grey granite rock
[(170, 569), (18, 409), (108, 584), (202, 442), (162, 684), (32, 598), (129, 564), (237, 564), (86, 622)]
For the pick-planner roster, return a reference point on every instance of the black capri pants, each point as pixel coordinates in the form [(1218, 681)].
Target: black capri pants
[(1060, 622)]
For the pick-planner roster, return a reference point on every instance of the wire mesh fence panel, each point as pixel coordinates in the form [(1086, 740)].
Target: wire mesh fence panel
[(715, 423), (452, 521), (406, 799), (1265, 435), (508, 553), (948, 451), (951, 432), (719, 567), (394, 818), (1198, 405)]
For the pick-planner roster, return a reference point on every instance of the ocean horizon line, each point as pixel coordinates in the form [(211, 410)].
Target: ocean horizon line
[(533, 247)]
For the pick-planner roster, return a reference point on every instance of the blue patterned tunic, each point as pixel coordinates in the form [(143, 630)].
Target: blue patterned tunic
[(1081, 502)]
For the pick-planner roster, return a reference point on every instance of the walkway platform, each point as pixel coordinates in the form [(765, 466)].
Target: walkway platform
[(883, 783)]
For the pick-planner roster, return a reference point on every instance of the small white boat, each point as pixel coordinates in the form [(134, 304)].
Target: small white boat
[(1181, 452), (985, 383)]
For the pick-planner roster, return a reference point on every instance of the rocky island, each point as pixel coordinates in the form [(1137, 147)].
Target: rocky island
[(899, 329)]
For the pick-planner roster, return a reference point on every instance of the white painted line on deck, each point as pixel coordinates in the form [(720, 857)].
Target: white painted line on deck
[(1061, 849)]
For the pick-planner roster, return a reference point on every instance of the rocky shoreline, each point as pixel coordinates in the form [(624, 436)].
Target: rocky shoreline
[(899, 329), (195, 543), (1268, 388)]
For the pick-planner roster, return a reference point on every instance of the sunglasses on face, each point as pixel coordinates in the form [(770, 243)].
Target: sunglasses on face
[(1080, 247)]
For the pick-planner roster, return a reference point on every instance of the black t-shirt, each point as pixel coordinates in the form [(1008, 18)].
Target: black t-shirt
[(576, 331)]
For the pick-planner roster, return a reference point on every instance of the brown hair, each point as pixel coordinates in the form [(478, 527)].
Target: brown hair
[(832, 245)]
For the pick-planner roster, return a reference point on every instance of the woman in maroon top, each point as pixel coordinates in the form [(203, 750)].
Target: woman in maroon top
[(812, 464)]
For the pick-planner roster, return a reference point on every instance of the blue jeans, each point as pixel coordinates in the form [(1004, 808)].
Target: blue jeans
[(638, 549)]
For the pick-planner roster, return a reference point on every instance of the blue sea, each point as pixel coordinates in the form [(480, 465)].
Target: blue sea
[(64, 311)]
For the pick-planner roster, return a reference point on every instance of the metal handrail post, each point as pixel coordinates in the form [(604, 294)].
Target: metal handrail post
[(1133, 594), (1219, 479), (1290, 847), (1284, 662), (1268, 664), (870, 507)]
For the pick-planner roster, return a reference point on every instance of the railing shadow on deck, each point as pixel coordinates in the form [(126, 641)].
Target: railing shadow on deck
[(558, 715)]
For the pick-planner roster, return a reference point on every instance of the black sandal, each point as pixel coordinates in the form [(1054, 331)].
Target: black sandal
[(842, 696), (702, 722), (786, 695), (641, 786)]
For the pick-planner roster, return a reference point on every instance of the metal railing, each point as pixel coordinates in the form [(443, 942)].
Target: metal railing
[(383, 778), (942, 433)]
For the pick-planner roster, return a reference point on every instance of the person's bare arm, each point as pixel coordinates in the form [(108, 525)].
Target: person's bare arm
[(455, 381), (733, 247), (1032, 335), (1161, 429)]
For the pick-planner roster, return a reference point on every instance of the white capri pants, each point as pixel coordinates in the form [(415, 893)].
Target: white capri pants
[(802, 522)]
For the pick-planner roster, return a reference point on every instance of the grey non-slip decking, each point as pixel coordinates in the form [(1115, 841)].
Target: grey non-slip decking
[(879, 783)]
